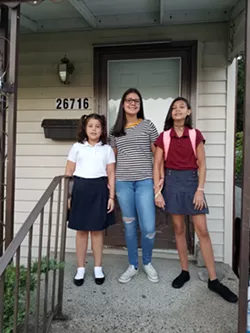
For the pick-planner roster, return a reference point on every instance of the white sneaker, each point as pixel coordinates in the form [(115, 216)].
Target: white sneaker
[(128, 274), (151, 273)]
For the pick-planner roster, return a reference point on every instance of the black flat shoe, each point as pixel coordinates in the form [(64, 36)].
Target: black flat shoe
[(219, 288), (78, 282), (99, 281), (181, 280)]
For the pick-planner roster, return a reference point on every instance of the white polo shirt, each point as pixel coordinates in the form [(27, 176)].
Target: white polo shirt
[(91, 161)]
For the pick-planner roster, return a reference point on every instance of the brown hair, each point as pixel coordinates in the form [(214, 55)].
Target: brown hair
[(169, 123), (119, 127), (82, 135)]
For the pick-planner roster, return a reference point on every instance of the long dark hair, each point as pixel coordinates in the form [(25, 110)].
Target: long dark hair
[(82, 135), (169, 122), (119, 127)]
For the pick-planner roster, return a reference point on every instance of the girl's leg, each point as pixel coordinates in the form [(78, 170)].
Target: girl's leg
[(144, 198), (200, 226), (97, 247), (180, 238), (181, 244), (145, 207), (81, 250), (81, 247), (126, 197), (125, 193), (214, 284)]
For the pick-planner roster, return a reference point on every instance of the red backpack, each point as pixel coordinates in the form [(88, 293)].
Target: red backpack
[(167, 139)]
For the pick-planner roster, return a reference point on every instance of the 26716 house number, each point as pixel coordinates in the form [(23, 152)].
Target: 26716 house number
[(72, 103)]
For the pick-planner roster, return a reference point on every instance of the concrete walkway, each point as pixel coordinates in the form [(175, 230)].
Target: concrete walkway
[(141, 306)]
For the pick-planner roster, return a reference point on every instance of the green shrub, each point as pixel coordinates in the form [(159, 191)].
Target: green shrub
[(239, 148), (9, 287)]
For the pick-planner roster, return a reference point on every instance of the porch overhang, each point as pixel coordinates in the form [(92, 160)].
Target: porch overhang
[(88, 15), (75, 15)]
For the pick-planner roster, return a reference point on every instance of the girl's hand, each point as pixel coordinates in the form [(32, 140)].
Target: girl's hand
[(111, 205), (159, 201), (69, 203), (199, 201)]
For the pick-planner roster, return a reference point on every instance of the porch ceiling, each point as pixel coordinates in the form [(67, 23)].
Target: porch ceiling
[(97, 14)]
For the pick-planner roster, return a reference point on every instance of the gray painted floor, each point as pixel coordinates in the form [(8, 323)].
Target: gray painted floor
[(141, 306)]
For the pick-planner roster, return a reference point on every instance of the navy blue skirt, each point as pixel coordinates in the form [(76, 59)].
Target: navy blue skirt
[(89, 202), (179, 190)]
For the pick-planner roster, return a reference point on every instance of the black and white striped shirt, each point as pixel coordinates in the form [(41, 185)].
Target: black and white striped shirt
[(134, 155)]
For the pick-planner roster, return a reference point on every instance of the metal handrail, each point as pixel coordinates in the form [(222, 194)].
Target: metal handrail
[(14, 249), (23, 231)]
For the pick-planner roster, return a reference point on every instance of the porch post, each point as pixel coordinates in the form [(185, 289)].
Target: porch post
[(12, 117), (3, 69), (244, 250)]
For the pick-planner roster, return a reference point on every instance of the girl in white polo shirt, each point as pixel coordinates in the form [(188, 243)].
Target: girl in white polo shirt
[(92, 163)]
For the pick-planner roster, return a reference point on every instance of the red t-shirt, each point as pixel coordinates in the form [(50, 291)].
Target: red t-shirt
[(180, 155)]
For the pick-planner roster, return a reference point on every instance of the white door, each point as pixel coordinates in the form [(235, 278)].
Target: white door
[(158, 80)]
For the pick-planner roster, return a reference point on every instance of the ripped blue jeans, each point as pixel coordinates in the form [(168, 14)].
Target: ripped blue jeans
[(136, 200)]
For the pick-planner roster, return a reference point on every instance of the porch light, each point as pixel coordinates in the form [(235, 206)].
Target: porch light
[(35, 2), (65, 70)]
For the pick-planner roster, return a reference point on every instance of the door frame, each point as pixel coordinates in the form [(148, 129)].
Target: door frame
[(186, 50)]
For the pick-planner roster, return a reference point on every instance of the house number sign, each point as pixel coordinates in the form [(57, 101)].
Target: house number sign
[(72, 103)]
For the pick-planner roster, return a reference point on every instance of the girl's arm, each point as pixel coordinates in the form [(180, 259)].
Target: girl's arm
[(112, 142), (157, 168), (201, 157), (153, 138), (153, 148), (70, 168), (111, 179), (111, 186), (199, 201), (157, 174)]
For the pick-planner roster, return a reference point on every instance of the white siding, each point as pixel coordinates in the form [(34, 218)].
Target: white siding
[(211, 119), (40, 159)]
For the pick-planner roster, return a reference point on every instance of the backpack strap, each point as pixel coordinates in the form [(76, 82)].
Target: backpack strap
[(166, 143), (167, 139), (192, 137)]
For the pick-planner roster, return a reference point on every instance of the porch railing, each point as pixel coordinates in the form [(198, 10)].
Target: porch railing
[(32, 267)]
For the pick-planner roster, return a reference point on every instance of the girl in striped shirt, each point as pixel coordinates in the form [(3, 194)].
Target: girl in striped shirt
[(132, 139)]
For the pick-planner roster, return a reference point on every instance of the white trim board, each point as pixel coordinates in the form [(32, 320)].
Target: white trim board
[(229, 162)]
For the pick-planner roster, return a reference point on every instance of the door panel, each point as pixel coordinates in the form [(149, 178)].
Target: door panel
[(158, 80)]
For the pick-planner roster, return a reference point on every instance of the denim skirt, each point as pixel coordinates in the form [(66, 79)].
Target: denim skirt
[(88, 211), (179, 190)]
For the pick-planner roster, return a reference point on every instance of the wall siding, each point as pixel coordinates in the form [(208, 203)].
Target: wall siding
[(211, 119), (39, 159)]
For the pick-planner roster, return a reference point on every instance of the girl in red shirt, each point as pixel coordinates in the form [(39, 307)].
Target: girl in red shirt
[(182, 149)]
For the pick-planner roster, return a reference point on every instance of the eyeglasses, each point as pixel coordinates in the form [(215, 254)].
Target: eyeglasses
[(131, 100)]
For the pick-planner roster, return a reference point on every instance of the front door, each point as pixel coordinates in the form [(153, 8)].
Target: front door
[(160, 77)]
